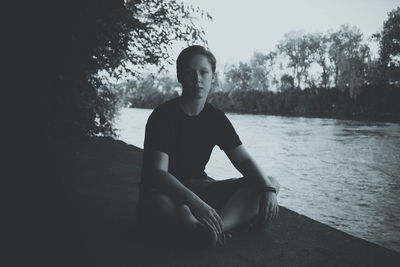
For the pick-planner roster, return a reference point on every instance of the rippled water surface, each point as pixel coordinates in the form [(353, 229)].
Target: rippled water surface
[(342, 173)]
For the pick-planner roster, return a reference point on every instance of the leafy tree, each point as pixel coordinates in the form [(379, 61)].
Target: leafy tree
[(115, 36), (168, 85), (309, 46), (261, 65), (297, 48), (287, 82), (290, 46), (238, 77), (374, 72), (349, 58), (319, 48), (151, 90), (222, 100), (389, 43), (354, 71)]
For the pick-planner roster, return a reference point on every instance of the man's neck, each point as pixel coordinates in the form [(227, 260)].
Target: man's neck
[(192, 107)]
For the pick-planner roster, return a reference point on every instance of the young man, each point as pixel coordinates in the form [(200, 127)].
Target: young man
[(175, 193)]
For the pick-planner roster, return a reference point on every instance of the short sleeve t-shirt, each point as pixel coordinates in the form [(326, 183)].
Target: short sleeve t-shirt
[(188, 140)]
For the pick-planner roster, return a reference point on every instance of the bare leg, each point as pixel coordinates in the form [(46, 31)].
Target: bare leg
[(240, 208), (185, 215), (203, 235), (162, 215), (159, 208)]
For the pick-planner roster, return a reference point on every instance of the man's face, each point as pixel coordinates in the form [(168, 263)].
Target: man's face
[(197, 77)]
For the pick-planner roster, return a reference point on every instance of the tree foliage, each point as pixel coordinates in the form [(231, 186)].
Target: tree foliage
[(297, 47), (349, 57), (287, 82), (118, 37), (389, 44), (375, 101), (238, 77), (319, 48), (350, 84), (261, 66), (150, 91)]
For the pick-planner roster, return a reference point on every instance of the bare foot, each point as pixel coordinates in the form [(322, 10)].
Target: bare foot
[(222, 239), (199, 236)]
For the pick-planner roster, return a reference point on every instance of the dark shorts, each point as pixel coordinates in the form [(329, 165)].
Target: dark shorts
[(214, 193)]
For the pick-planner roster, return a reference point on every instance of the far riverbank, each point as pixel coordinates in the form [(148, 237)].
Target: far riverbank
[(374, 102)]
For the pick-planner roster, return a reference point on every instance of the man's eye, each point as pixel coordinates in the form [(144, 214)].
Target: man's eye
[(204, 72)]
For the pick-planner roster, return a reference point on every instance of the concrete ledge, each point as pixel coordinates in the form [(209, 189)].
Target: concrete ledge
[(100, 179)]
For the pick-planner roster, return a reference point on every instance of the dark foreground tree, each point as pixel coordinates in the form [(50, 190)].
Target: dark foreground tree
[(114, 36), (389, 44)]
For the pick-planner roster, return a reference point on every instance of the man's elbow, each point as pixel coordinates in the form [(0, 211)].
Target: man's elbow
[(154, 174)]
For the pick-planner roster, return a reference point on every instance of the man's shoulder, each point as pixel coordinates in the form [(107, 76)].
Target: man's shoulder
[(165, 108), (169, 104)]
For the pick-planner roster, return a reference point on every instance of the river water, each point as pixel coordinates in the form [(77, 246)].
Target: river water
[(343, 173)]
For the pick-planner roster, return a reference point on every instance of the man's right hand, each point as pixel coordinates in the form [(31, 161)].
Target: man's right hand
[(156, 164), (206, 215)]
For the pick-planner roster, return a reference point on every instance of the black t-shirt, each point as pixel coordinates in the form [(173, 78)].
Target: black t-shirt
[(188, 140)]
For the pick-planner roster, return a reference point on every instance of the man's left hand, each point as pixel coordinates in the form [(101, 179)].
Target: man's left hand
[(269, 208)]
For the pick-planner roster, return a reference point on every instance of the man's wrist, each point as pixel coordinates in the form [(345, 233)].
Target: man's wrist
[(190, 199), (270, 182), (269, 189)]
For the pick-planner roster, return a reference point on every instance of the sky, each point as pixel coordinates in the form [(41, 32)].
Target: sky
[(239, 28)]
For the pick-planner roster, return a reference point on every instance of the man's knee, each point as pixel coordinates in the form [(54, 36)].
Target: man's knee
[(162, 200), (250, 191), (250, 186), (157, 205)]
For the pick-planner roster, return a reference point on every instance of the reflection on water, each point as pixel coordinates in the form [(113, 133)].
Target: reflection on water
[(343, 173)]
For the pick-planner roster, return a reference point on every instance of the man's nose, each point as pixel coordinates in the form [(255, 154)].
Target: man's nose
[(196, 77)]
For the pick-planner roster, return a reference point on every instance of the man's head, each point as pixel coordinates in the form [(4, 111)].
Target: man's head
[(188, 53)]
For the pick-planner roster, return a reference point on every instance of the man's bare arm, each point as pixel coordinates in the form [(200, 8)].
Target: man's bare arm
[(247, 166), (156, 168), (244, 163)]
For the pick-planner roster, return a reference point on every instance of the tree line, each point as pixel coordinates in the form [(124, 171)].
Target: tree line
[(329, 74), (90, 42)]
